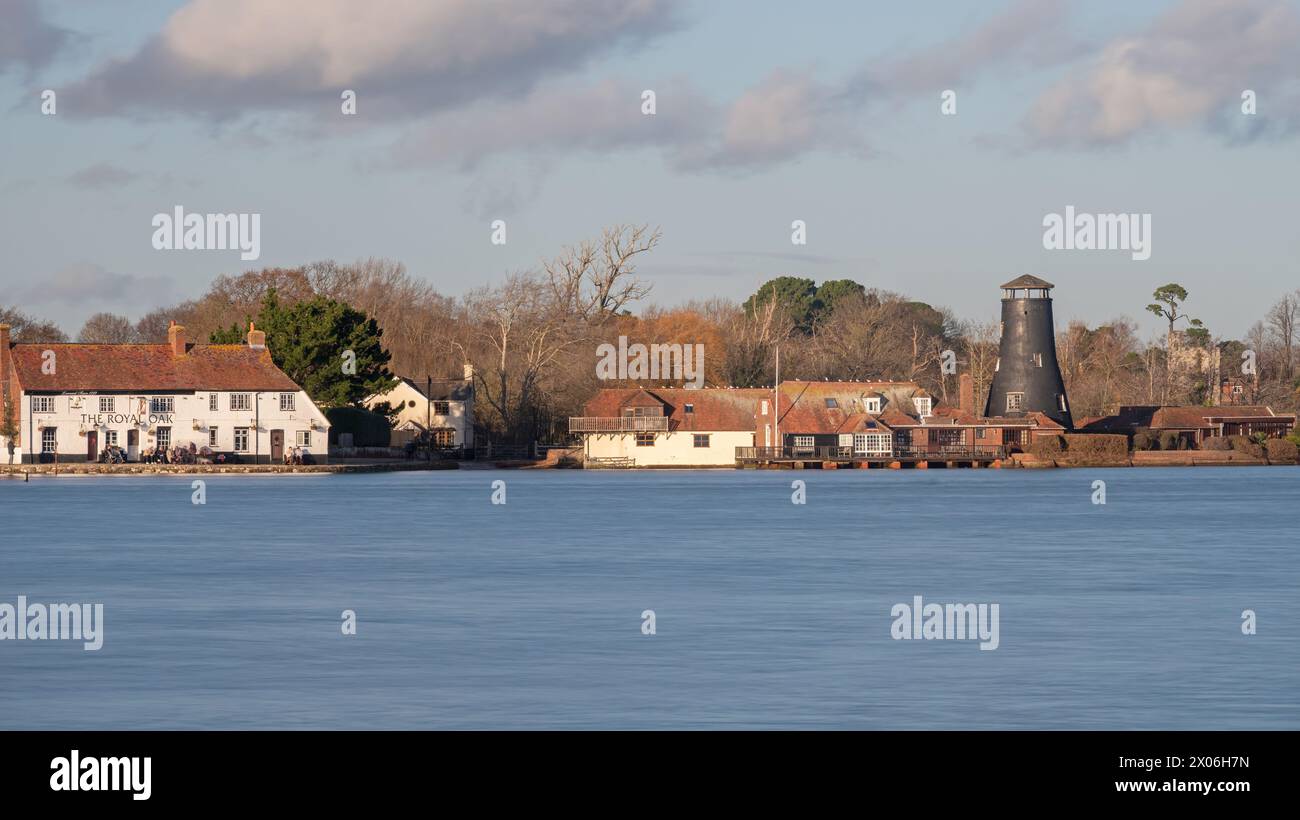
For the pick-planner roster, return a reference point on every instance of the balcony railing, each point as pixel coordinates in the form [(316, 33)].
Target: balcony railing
[(618, 424), (931, 452)]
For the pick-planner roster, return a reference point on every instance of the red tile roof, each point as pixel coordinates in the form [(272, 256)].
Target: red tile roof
[(1179, 418), (147, 368), (804, 410), (712, 408)]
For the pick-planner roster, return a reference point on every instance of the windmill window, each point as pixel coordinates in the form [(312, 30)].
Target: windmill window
[(1038, 359), (1015, 401)]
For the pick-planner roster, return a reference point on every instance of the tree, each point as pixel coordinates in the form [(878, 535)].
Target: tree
[(107, 329), (593, 281), (1168, 300), (795, 296), (331, 350), (1283, 321), (9, 424), (28, 329)]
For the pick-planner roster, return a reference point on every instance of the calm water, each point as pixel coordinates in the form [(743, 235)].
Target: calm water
[(769, 614)]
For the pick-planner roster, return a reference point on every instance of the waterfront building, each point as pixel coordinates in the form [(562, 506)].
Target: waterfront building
[(1196, 424), (1027, 378), (70, 402), (669, 426), (444, 408)]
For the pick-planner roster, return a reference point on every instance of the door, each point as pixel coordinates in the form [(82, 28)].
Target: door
[(92, 445), (132, 445), (277, 446)]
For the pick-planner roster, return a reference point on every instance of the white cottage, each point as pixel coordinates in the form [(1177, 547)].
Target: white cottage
[(443, 407), (72, 401)]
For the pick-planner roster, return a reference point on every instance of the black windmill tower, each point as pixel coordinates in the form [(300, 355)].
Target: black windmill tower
[(1028, 378)]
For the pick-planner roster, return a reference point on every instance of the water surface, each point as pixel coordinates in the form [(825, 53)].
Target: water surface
[(768, 614)]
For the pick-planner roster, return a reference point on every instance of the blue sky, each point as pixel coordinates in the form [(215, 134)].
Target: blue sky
[(828, 112)]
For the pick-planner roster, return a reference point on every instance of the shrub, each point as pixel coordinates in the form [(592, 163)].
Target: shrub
[(1216, 443), (1242, 444), (1145, 440), (1169, 440), (1096, 448), (1281, 451), (1047, 448), (368, 429)]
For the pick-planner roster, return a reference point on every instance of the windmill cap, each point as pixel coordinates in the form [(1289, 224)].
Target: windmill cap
[(1028, 281)]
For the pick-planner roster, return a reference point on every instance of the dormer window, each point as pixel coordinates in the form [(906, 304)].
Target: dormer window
[(872, 403), (922, 405), (690, 408)]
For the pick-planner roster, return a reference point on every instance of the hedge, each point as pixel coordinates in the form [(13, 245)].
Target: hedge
[(1096, 448), (1282, 451), (1216, 443), (1047, 448), (1242, 444), (1144, 439), (368, 429)]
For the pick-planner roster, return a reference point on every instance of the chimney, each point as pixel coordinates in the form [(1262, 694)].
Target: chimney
[(176, 338), (966, 393), (256, 338), (4, 358)]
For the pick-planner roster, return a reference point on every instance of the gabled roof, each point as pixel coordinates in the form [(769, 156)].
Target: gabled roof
[(1028, 281), (712, 409), (442, 389), (147, 368), (803, 403)]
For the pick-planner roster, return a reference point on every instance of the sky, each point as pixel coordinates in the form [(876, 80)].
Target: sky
[(531, 112)]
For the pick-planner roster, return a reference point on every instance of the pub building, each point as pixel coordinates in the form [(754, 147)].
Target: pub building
[(73, 401)]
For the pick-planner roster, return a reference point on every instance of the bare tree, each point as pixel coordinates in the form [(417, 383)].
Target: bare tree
[(108, 329), (594, 280), (1282, 322)]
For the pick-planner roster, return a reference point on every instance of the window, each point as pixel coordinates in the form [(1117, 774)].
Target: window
[(303, 438), (767, 434), (444, 437), (645, 439), (107, 404), (846, 439), (1238, 389), (442, 408), (983, 433), (997, 364), (803, 442), (241, 439), (212, 402), (49, 440), (872, 403), (42, 404), (832, 404), (690, 408), (162, 404), (287, 402), (875, 443), (110, 438), (764, 407), (951, 438), (922, 405), (1060, 402), (1015, 401), (642, 412), (212, 436), (164, 438), (241, 401), (1037, 359), (701, 440)]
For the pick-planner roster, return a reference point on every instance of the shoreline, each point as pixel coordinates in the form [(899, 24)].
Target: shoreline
[(96, 469)]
